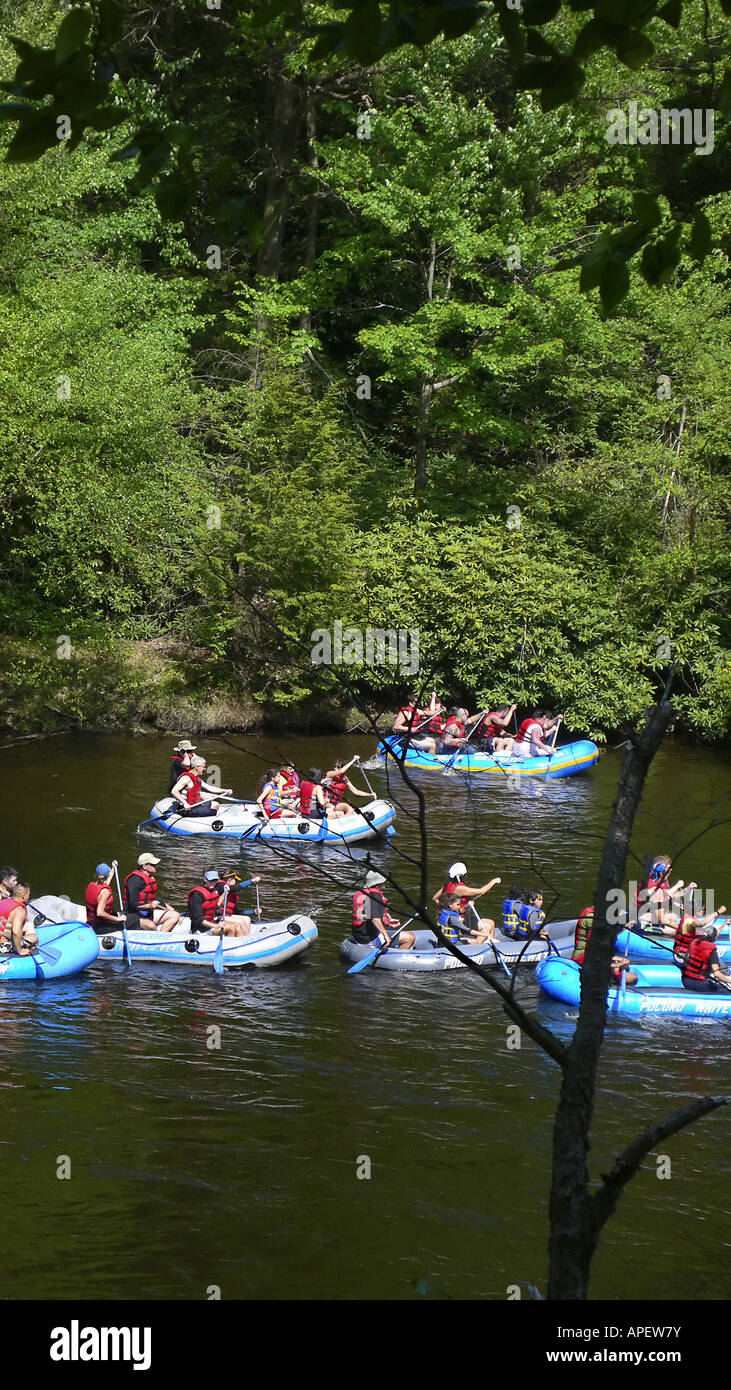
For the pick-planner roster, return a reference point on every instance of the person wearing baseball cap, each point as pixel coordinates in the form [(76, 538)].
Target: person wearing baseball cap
[(207, 900), (141, 903), (452, 900), (99, 899), (182, 754), (372, 922)]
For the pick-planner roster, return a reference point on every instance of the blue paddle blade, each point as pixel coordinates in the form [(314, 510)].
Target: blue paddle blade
[(361, 964), (391, 830), (218, 965)]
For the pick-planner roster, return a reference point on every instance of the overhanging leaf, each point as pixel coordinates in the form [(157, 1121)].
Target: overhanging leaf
[(35, 134), (614, 283), (72, 34)]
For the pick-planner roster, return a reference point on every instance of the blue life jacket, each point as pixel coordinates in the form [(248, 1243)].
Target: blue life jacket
[(530, 920), (452, 925), (510, 915)]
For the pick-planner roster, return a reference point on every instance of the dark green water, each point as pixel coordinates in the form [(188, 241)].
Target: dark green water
[(237, 1167)]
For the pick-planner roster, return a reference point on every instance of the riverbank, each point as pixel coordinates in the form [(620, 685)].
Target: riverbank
[(165, 686), (141, 686)]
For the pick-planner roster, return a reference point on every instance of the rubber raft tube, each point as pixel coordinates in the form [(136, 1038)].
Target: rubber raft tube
[(268, 944), (656, 948), (246, 822), (427, 954), (565, 762), (64, 948), (561, 979)]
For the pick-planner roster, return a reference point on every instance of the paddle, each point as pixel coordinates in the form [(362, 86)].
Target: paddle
[(125, 938), (218, 955), (498, 954), (365, 779), (373, 957), (258, 904), (47, 951), (457, 751), (553, 745)]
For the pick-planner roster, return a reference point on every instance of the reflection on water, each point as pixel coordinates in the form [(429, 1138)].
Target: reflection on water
[(194, 1165)]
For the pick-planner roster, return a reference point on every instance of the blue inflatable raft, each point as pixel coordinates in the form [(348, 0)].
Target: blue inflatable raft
[(565, 762), (64, 948), (646, 945), (561, 979)]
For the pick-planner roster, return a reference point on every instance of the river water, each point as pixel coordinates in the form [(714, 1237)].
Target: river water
[(194, 1169)]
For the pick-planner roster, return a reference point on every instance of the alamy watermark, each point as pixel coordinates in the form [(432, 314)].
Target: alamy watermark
[(687, 902), (371, 646), (645, 126)]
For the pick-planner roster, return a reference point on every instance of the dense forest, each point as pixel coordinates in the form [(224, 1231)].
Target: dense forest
[(360, 375)]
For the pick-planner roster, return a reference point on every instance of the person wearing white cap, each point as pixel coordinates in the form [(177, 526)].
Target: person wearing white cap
[(371, 918), (141, 903), (452, 899), (99, 900)]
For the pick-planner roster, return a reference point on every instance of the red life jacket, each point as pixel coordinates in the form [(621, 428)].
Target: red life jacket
[(488, 730), (436, 725), (336, 789), (306, 794), (696, 965), (148, 891), (193, 794), (456, 724), (6, 907), (210, 900), (523, 734), (91, 898), (291, 784), (683, 939), (231, 900), (582, 935), (359, 902), (359, 905)]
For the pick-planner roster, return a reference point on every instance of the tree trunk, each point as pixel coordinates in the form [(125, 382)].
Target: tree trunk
[(426, 391), (287, 116), (313, 207), (421, 450), (573, 1218)]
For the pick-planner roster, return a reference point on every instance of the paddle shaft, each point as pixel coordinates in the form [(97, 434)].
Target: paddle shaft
[(457, 751), (373, 957), (218, 956), (125, 937)]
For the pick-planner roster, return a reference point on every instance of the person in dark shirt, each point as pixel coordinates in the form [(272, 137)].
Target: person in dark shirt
[(182, 754), (206, 903)]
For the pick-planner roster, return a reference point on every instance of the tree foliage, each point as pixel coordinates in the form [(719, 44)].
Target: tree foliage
[(301, 338)]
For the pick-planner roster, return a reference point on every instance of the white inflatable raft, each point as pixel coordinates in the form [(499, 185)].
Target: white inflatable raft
[(268, 943), (244, 821)]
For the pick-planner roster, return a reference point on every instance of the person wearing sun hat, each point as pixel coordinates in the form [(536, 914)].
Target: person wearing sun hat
[(99, 899), (182, 754), (371, 919), (141, 903)]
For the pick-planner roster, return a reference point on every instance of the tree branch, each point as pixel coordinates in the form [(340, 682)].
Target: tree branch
[(605, 1199)]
